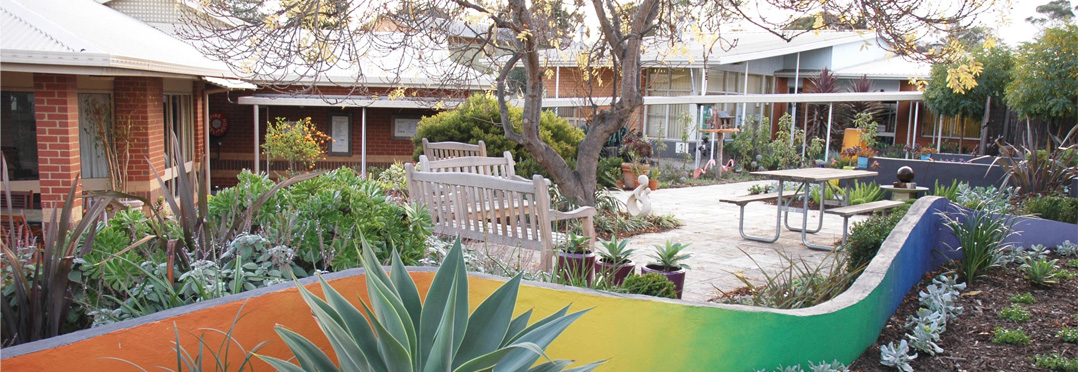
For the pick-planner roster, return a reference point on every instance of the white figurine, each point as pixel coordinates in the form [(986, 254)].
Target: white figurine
[(639, 204)]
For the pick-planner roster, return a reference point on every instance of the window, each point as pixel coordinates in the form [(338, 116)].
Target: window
[(18, 135), (179, 120), (668, 120), (95, 127), (953, 127)]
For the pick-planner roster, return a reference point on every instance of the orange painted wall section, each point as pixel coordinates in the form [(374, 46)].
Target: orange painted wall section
[(143, 345)]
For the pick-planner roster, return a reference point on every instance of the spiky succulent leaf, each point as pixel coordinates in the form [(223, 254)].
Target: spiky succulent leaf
[(489, 322), (310, 357)]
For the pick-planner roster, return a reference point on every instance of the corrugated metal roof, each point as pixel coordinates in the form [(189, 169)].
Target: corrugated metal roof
[(894, 67), (737, 46), (64, 32)]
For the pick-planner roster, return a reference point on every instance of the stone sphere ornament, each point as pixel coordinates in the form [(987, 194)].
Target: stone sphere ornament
[(905, 174)]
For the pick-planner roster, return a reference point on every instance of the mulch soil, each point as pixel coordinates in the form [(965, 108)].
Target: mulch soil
[(967, 341)]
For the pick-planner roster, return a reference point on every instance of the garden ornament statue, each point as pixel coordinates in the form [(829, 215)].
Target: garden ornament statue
[(639, 204)]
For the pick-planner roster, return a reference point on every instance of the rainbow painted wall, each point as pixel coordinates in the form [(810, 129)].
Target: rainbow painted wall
[(633, 333)]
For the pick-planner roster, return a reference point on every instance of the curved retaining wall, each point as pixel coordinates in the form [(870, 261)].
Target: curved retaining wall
[(633, 333)]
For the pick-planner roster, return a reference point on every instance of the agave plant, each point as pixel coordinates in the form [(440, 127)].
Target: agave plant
[(402, 333)]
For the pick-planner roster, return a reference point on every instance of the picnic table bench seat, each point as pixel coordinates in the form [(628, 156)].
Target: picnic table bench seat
[(851, 210), (742, 200)]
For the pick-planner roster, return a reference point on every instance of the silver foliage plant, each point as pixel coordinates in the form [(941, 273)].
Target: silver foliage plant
[(897, 356), (937, 308), (834, 366), (1067, 249)]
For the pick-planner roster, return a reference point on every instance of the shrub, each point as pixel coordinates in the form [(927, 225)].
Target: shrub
[(865, 193), (297, 142), (652, 284), (334, 210), (949, 192), (1056, 362), (1041, 272), (980, 236), (393, 178), (1054, 208), (1024, 298), (478, 119), (1068, 335), (230, 201), (1002, 335), (798, 284), (867, 236), (1014, 313)]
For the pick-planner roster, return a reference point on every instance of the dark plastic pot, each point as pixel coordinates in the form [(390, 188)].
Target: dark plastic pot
[(616, 273), (676, 275), (575, 266)]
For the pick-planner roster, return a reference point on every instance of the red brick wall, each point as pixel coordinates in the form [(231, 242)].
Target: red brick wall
[(236, 149), (56, 110), (139, 99), (200, 119)]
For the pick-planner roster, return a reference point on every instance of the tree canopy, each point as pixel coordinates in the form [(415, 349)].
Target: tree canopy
[(295, 42), (941, 98), (1045, 78)]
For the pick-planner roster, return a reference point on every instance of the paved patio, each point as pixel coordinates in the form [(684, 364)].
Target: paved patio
[(718, 251)]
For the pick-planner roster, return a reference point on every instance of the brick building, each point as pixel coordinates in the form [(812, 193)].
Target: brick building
[(72, 69)]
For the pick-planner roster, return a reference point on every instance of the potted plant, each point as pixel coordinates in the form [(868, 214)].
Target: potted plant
[(576, 261), (668, 262), (653, 179), (926, 152), (863, 153), (636, 151), (614, 264)]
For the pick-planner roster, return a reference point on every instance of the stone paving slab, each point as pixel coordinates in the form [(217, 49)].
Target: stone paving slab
[(718, 251)]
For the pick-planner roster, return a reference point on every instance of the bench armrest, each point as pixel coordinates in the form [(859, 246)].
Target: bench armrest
[(576, 213)]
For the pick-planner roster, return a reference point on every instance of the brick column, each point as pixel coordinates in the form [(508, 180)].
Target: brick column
[(139, 100), (56, 111)]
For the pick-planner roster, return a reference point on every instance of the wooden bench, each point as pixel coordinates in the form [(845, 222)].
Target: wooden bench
[(851, 210), (503, 167), (494, 209), (448, 149)]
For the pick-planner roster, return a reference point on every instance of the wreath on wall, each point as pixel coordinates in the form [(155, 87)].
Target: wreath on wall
[(218, 124)]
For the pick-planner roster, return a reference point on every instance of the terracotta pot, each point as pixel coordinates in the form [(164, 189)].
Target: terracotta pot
[(575, 266), (616, 273), (653, 184), (677, 276), (629, 176)]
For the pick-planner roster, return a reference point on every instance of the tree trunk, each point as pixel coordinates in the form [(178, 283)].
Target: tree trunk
[(984, 125), (577, 184)]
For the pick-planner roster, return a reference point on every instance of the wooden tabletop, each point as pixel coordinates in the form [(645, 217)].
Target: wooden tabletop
[(814, 174)]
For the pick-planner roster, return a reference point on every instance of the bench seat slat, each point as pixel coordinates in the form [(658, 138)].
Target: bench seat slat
[(865, 208), (740, 200)]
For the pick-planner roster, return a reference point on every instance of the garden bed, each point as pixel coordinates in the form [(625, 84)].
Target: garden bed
[(967, 342)]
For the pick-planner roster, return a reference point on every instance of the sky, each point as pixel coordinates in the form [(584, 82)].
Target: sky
[(1017, 30)]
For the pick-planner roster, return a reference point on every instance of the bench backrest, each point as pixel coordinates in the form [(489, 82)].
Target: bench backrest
[(492, 166), (447, 150), (484, 207)]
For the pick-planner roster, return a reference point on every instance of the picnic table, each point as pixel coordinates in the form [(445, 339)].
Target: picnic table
[(805, 177)]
